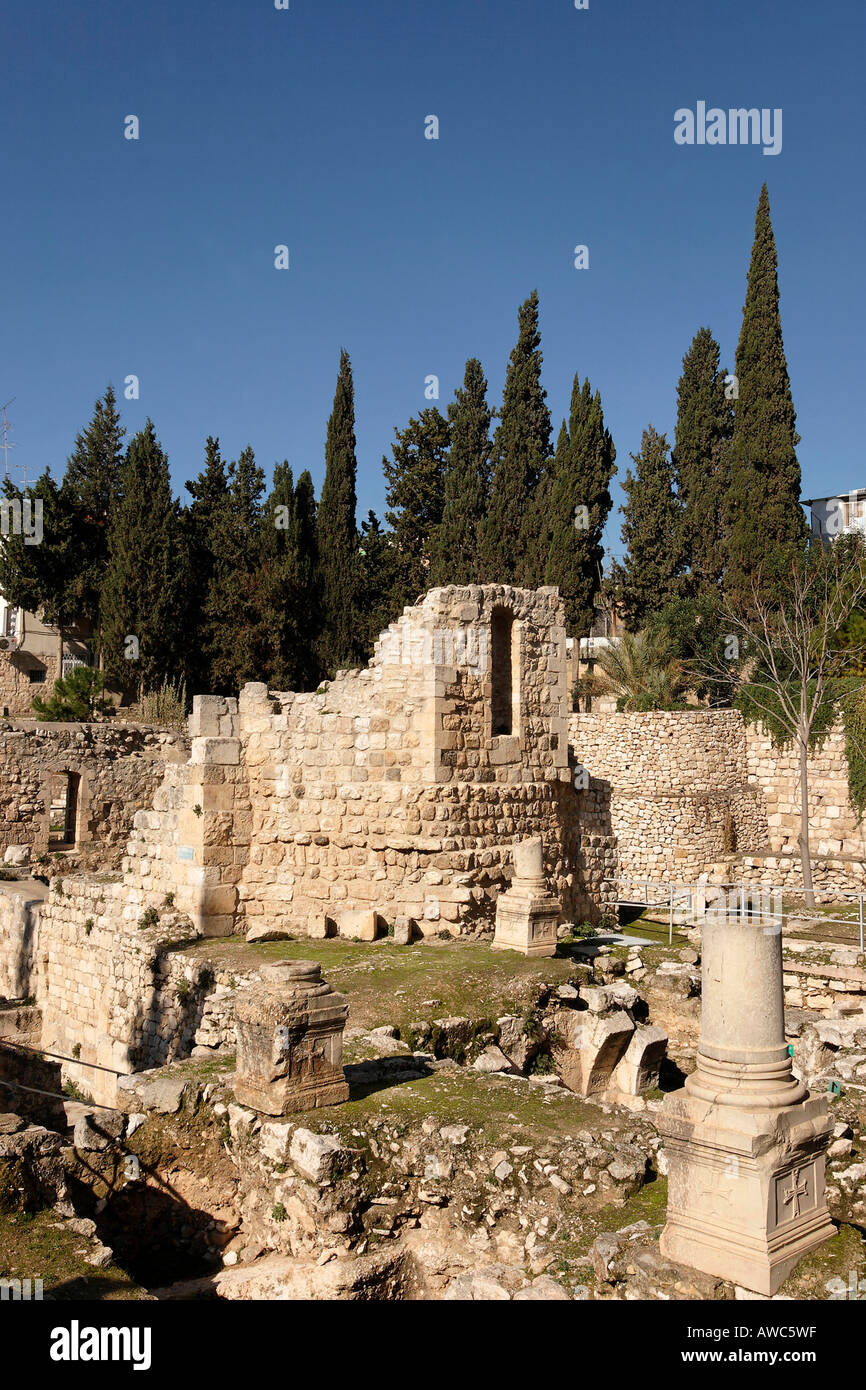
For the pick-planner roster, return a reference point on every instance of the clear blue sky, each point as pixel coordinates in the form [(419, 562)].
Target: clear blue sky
[(306, 127)]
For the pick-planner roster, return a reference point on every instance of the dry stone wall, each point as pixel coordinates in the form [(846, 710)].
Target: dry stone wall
[(664, 784), (118, 768)]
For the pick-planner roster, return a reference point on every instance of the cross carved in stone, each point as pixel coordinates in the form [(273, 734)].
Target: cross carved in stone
[(795, 1192)]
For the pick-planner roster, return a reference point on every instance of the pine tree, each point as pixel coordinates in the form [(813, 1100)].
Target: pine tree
[(39, 577), (337, 531), (455, 551), (415, 496), (650, 575), (147, 579), (765, 522), (704, 422), (574, 507), (284, 602), (521, 447), (92, 482)]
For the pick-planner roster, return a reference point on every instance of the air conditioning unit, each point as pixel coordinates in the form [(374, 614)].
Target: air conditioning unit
[(7, 644)]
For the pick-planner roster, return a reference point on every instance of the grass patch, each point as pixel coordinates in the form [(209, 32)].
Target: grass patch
[(37, 1246)]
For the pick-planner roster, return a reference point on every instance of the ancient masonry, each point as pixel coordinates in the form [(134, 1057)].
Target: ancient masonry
[(745, 1142)]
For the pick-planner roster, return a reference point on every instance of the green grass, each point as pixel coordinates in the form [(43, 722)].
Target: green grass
[(385, 983), (37, 1246)]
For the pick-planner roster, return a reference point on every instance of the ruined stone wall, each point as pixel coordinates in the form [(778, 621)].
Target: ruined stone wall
[(400, 787), (834, 828), (20, 908), (664, 783), (118, 993), (16, 688), (119, 767)]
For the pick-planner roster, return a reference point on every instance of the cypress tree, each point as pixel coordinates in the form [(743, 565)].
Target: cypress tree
[(651, 531), (576, 507), (146, 583), (704, 421), (229, 618), (284, 605), (40, 577), (416, 498), (207, 526), (92, 482), (765, 522), (337, 531), (467, 483), (381, 581), (521, 447)]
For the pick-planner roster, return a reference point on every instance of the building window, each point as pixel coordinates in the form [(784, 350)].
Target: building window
[(502, 693), (37, 675)]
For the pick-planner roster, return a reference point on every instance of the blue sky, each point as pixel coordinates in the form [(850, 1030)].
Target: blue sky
[(306, 127)]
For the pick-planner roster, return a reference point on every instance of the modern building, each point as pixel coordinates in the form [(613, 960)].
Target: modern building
[(837, 516)]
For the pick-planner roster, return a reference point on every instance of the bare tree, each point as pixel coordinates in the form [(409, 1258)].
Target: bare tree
[(790, 655)]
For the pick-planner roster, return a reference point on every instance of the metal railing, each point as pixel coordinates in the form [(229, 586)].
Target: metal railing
[(691, 902)]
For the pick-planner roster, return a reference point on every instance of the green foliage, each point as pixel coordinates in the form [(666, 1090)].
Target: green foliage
[(571, 507), (690, 630), (853, 707), (455, 547), (643, 675), (77, 697), (380, 581), (521, 447), (763, 512), (338, 536), (146, 582), (278, 1212), (182, 990), (149, 918), (92, 482), (704, 423), (167, 705), (651, 574), (415, 478)]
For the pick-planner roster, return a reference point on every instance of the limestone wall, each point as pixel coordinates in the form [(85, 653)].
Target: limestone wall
[(664, 782), (119, 767), (400, 787), (116, 993), (20, 908)]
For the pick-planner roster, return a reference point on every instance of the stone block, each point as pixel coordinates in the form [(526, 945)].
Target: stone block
[(361, 924)]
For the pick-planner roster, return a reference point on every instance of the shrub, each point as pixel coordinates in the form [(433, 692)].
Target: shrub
[(165, 705), (149, 918), (77, 697)]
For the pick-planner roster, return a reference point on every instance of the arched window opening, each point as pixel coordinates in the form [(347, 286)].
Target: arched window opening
[(501, 626)]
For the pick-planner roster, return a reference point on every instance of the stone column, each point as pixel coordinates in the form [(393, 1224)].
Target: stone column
[(527, 915), (745, 1142), (290, 1041)]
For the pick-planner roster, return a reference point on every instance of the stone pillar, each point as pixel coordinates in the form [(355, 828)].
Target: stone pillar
[(290, 1041), (527, 915), (745, 1142)]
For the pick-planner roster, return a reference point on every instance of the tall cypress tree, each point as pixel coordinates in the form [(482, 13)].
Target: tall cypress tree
[(766, 524), (651, 574), (521, 447), (207, 528), (415, 495), (703, 432), (146, 583), (92, 482), (229, 604), (455, 557), (577, 507), (283, 614), (337, 530)]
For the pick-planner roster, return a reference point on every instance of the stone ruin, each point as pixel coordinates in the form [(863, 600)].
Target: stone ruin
[(744, 1139)]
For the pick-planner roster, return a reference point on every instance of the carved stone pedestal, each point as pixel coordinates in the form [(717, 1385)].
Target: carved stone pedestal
[(290, 1041), (745, 1143), (527, 915)]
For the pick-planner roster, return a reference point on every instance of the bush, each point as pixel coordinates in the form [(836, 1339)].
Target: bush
[(77, 697), (165, 705)]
